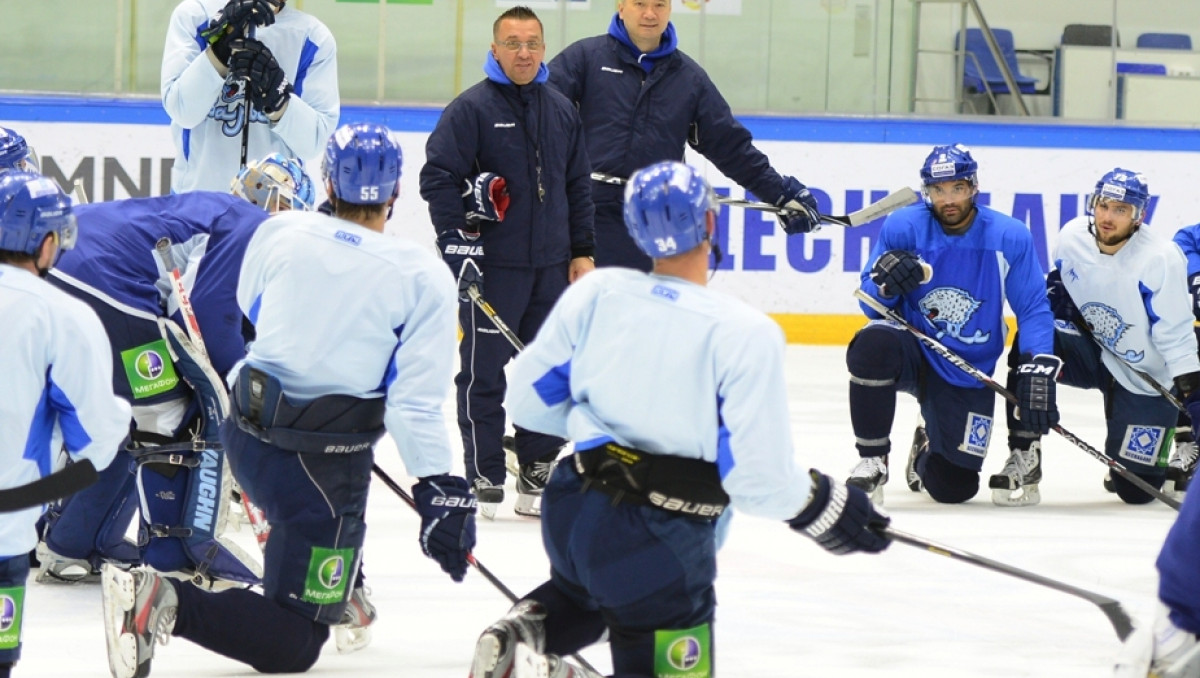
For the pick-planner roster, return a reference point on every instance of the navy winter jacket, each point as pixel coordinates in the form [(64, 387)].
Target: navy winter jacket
[(634, 118), (499, 127)]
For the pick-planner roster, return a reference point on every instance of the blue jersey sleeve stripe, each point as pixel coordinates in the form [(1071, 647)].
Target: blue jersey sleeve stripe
[(307, 54), (389, 375), (725, 460), (254, 309), (1148, 302), (554, 386), (37, 443), (75, 436)]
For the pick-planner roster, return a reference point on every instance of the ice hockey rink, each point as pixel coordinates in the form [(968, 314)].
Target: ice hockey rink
[(785, 607)]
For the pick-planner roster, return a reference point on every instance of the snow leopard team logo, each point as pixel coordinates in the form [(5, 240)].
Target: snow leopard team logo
[(230, 109), (948, 310), (1108, 327)]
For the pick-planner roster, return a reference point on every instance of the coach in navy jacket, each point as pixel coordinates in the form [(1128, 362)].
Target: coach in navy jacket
[(513, 125), (641, 100)]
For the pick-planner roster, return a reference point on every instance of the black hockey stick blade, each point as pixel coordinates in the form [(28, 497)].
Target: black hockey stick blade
[(63, 483), (1117, 616), (958, 361)]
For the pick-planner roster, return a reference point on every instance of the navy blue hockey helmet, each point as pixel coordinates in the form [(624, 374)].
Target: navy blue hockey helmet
[(1124, 186), (363, 163), (665, 208), (31, 206), (15, 153)]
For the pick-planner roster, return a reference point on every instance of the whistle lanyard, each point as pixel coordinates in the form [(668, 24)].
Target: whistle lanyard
[(532, 140)]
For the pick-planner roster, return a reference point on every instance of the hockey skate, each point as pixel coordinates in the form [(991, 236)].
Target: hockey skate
[(513, 647), (139, 609), (920, 445), (531, 481), (488, 496), (1181, 468), (1017, 483), (870, 475), (354, 631), (56, 569)]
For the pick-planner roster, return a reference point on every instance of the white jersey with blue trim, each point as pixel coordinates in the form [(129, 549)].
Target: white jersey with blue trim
[(340, 309), (207, 112), (668, 367), (1135, 301), (974, 273), (57, 392)]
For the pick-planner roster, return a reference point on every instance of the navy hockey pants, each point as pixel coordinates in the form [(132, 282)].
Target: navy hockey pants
[(1140, 427), (645, 570), (13, 573), (522, 297)]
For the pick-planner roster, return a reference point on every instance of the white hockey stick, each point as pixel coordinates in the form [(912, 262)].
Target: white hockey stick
[(80, 194), (890, 203)]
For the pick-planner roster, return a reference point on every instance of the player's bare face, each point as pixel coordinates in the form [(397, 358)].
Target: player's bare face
[(519, 49), (645, 21), (952, 203), (1114, 222)]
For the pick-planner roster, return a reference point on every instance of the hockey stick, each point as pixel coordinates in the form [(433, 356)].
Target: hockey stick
[(78, 192), (258, 522), (62, 483), (887, 205), (1150, 381), (487, 574), (1117, 616), (473, 292), (957, 360)]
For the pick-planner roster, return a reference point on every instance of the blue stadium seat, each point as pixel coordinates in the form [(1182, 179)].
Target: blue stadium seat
[(1165, 41), (981, 68)]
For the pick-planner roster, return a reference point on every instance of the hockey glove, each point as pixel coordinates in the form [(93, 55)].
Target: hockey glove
[(1061, 304), (447, 510), (800, 213), (897, 272), (1188, 387), (841, 519), (234, 21), (486, 198), (462, 254), (267, 87), (1036, 404)]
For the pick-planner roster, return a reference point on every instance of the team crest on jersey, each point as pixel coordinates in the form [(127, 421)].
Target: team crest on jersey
[(948, 310), (977, 435), (1142, 444), (230, 108), (1108, 327)]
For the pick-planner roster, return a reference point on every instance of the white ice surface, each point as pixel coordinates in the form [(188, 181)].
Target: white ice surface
[(785, 607)]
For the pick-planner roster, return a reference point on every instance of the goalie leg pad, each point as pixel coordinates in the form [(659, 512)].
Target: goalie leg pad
[(91, 524), (13, 573), (198, 372), (184, 492)]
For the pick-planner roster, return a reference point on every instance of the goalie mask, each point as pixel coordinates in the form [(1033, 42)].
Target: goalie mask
[(275, 183)]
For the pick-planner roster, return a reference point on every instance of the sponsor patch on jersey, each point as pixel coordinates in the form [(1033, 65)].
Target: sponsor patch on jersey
[(11, 606), (685, 653), (1145, 445), (977, 435), (665, 292), (149, 369), (348, 238)]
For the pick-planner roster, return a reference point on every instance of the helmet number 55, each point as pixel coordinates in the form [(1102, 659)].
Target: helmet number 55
[(369, 194)]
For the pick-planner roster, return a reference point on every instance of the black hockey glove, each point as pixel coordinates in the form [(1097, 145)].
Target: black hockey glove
[(485, 197), (234, 21), (462, 253), (267, 87), (800, 213), (1188, 388), (447, 510), (841, 519), (1061, 304), (897, 272), (1036, 406)]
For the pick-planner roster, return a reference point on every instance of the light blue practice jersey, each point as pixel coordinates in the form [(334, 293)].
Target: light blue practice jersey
[(669, 367), (55, 391), (342, 310), (1135, 301), (208, 112), (962, 306)]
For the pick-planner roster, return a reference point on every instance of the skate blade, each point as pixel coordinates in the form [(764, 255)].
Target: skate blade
[(488, 510), (528, 505), (529, 664), (1027, 495), (117, 595), (351, 638)]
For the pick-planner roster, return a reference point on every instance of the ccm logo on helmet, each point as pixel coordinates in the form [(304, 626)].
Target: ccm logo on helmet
[(454, 502)]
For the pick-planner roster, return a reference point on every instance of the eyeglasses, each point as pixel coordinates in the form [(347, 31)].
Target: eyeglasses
[(516, 45)]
